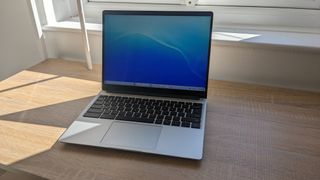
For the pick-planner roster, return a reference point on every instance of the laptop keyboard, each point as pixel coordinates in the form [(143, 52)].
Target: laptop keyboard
[(171, 113)]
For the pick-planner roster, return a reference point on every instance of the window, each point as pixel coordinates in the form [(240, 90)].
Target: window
[(308, 4), (278, 15), (141, 1)]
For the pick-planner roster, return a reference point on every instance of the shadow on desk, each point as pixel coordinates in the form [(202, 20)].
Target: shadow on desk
[(66, 161), (128, 155), (69, 69), (58, 115)]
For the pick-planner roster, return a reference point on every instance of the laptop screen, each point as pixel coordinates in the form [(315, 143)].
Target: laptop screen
[(157, 51)]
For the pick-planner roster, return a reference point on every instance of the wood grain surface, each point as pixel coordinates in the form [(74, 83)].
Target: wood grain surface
[(252, 132)]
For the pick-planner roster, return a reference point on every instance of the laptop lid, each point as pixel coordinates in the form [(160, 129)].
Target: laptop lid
[(160, 53)]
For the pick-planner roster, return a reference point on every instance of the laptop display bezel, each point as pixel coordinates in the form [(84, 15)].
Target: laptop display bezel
[(156, 91)]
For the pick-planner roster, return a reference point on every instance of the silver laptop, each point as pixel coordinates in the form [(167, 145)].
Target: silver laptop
[(154, 85)]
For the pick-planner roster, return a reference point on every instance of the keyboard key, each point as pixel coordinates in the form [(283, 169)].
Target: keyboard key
[(196, 111), (121, 117), (196, 116), (147, 120), (152, 116), (188, 115), (107, 116), (96, 106), (185, 106), (166, 122), (100, 98), (135, 110), (180, 110), (173, 113), (157, 112), (107, 108), (158, 121), (181, 114), (121, 104), (129, 114), (122, 113), (186, 119), (160, 117), (195, 125), (98, 102), (113, 107), (143, 110), (176, 118), (92, 110), (107, 112), (175, 123), (196, 105), (196, 120), (165, 112), (185, 124), (157, 108), (114, 112), (144, 115), (164, 109), (92, 115)]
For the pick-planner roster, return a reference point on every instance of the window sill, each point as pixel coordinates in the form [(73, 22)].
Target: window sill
[(220, 35)]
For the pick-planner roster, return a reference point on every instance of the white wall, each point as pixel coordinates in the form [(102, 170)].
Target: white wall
[(20, 45), (270, 65), (287, 67)]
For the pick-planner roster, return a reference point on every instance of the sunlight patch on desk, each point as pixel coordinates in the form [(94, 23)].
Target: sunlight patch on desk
[(22, 140), (29, 90), (24, 78), (228, 36)]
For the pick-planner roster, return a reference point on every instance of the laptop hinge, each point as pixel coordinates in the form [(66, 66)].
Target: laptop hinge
[(156, 95)]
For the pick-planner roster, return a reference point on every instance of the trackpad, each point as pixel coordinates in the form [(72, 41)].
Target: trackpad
[(132, 135)]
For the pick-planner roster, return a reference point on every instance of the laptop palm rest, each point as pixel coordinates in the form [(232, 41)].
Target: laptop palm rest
[(132, 135)]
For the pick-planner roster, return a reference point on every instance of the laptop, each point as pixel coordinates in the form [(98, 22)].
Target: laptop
[(154, 85)]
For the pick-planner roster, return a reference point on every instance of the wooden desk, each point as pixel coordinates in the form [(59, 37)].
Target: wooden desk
[(252, 132)]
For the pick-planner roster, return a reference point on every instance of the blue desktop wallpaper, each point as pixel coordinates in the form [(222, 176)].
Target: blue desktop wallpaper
[(168, 50)]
